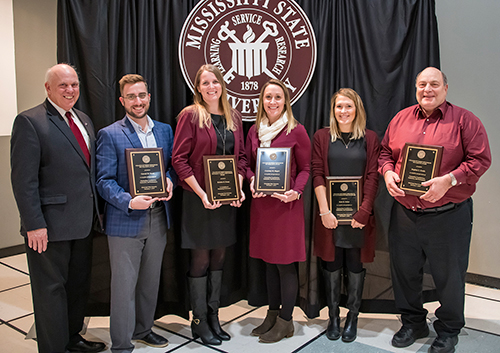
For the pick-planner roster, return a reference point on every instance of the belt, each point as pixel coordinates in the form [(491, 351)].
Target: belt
[(156, 204), (447, 207)]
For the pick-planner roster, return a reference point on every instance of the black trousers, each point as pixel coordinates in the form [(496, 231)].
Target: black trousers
[(60, 285), (443, 239)]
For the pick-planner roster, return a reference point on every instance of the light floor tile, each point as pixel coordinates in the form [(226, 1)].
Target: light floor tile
[(182, 326), (194, 347), (15, 303), (472, 289), (13, 341), (17, 261), (323, 344), (10, 278), (24, 323), (231, 312), (174, 342), (175, 324), (482, 314), (375, 331), (243, 342), (98, 330)]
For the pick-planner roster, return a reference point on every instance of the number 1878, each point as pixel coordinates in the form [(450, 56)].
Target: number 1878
[(250, 86)]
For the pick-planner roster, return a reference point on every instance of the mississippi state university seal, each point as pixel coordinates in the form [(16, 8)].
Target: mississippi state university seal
[(251, 42)]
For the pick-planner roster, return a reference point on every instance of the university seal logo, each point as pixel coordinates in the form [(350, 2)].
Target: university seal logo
[(251, 42)]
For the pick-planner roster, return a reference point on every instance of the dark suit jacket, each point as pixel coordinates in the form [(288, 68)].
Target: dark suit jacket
[(52, 183), (112, 177)]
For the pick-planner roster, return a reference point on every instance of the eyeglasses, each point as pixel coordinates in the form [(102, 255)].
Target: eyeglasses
[(132, 97)]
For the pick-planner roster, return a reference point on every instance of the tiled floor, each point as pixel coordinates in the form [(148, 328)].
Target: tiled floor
[(481, 334)]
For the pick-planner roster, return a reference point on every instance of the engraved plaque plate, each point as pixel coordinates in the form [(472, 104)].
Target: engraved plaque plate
[(420, 163), (146, 172), (272, 173), (344, 196), (221, 178)]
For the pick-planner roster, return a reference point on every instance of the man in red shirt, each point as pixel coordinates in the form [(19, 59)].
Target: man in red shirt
[(437, 225)]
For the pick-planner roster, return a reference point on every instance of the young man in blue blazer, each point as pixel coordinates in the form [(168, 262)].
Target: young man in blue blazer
[(136, 226)]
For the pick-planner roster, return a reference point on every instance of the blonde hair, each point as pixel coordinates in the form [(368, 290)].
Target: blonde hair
[(359, 122), (261, 113), (199, 107)]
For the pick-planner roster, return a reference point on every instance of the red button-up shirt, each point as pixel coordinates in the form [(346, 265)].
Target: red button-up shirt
[(466, 150)]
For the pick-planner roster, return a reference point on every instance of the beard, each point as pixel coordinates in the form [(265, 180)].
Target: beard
[(132, 114)]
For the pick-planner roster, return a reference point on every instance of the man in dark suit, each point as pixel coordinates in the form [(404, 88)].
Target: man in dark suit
[(136, 226), (53, 179)]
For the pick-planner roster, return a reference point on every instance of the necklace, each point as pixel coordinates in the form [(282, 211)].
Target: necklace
[(346, 144), (223, 138)]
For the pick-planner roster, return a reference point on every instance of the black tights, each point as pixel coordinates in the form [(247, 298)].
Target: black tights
[(348, 258), (282, 288), (204, 259)]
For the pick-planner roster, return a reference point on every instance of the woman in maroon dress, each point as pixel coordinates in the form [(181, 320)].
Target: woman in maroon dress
[(277, 220), (208, 127), (345, 148)]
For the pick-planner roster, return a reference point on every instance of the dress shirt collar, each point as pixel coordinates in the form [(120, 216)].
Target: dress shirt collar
[(138, 127), (61, 110), (440, 112)]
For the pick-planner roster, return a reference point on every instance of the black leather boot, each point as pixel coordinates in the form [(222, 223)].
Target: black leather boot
[(199, 325), (354, 286), (214, 286), (332, 286)]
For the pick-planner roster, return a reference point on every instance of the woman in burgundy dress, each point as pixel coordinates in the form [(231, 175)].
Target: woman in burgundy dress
[(277, 221), (345, 148), (208, 127)]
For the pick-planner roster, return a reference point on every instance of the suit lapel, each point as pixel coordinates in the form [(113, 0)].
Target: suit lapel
[(59, 122), (159, 137), (129, 131)]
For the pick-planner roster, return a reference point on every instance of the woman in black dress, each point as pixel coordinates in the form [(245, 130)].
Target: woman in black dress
[(345, 148), (208, 127)]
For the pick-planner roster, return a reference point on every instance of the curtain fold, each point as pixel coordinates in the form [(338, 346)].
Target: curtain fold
[(375, 47)]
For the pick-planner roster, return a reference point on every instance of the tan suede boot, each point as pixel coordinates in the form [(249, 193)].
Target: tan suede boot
[(268, 323), (280, 330)]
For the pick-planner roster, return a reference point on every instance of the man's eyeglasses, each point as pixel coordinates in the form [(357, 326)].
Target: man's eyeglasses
[(132, 97)]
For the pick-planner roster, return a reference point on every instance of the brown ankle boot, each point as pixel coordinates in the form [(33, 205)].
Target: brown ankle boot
[(280, 330), (268, 323)]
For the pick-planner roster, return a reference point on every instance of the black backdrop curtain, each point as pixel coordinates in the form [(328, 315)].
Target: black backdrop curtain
[(375, 47)]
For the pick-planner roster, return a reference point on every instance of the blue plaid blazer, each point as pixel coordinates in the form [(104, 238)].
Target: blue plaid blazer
[(112, 179)]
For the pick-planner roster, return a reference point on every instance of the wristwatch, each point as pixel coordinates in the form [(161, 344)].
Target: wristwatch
[(298, 195), (453, 179)]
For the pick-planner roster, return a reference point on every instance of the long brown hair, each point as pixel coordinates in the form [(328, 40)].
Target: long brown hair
[(359, 122), (261, 113), (200, 107)]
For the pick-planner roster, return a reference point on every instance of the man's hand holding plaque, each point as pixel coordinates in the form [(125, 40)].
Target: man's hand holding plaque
[(146, 173), (420, 163)]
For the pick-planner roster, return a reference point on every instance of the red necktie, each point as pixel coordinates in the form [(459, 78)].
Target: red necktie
[(79, 137)]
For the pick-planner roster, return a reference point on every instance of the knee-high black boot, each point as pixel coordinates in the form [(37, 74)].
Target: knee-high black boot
[(214, 286), (199, 325), (355, 283), (332, 286)]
